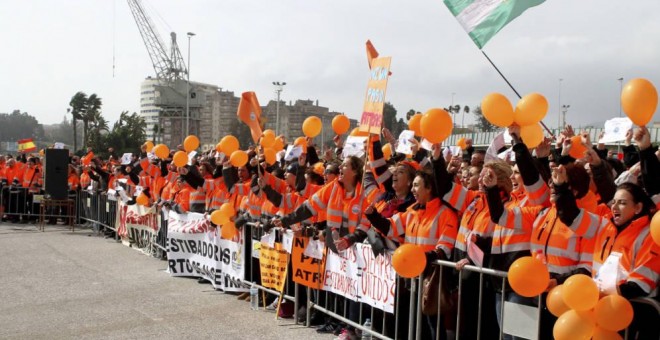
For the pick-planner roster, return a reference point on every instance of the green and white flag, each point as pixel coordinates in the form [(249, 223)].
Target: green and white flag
[(482, 19)]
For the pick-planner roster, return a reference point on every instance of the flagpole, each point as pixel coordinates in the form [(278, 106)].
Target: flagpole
[(511, 86)]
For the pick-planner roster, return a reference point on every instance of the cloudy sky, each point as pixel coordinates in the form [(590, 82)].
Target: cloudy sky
[(52, 49)]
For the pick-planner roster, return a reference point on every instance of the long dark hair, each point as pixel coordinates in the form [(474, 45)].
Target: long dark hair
[(429, 182), (639, 196), (358, 166)]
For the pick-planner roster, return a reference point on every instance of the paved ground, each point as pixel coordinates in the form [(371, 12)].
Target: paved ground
[(61, 285)]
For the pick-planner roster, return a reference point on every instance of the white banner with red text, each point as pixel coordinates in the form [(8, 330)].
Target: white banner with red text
[(195, 249), (360, 276), (137, 226)]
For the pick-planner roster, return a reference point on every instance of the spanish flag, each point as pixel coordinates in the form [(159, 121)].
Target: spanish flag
[(26, 145), (249, 112)]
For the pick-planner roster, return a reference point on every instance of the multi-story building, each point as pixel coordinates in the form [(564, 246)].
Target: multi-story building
[(292, 117)]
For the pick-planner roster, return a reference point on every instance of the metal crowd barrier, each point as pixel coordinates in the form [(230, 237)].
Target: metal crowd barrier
[(20, 205), (98, 211), (407, 321)]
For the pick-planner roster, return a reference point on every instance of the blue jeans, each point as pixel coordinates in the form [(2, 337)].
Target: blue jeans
[(510, 297)]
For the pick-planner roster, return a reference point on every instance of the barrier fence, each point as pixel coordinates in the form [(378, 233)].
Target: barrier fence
[(350, 294)]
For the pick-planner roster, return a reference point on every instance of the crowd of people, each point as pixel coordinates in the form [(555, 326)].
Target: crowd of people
[(574, 213)]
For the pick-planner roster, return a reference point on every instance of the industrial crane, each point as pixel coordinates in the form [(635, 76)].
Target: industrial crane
[(173, 93)]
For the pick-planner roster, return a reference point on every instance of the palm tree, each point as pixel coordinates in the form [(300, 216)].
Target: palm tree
[(77, 108), (92, 111)]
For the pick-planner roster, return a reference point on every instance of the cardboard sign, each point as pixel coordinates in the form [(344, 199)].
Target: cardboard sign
[(374, 101), (273, 266), (307, 271)]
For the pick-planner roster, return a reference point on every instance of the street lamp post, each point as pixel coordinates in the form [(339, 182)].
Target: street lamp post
[(190, 35), (451, 108), (620, 91), (559, 107), (278, 90), (564, 109)]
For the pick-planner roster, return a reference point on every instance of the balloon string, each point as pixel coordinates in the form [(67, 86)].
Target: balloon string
[(514, 90)]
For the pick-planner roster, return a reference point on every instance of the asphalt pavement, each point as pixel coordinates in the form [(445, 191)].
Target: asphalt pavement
[(60, 284)]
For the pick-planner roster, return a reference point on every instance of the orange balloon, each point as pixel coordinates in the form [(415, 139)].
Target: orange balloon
[(528, 276), (238, 158), (340, 124), (302, 142), (655, 228), (269, 132), (497, 109), (279, 144), (461, 143), (161, 151), (573, 325), (218, 147), (409, 260), (229, 144), (357, 133), (228, 230), (142, 199), (613, 313), (580, 292), (150, 145), (267, 140), (227, 210), (270, 155), (436, 125), (190, 143), (532, 135), (577, 148), (639, 100), (555, 302), (602, 334), (180, 159), (530, 109), (312, 126), (216, 217), (413, 124), (387, 151)]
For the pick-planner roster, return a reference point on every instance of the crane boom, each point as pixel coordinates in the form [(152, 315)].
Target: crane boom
[(167, 67)]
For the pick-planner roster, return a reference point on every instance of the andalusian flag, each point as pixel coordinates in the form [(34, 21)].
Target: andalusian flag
[(26, 145), (482, 19)]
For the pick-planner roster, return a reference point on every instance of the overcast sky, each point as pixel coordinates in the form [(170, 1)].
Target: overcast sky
[(52, 49)]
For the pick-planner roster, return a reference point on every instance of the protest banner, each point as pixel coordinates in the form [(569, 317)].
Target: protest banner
[(307, 271), (194, 248), (360, 276), (273, 266), (137, 226), (374, 101)]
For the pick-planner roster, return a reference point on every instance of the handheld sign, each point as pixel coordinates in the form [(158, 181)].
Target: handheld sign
[(374, 101)]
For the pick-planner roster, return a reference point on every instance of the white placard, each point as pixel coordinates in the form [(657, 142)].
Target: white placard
[(126, 158), (287, 241), (451, 150), (269, 239), (191, 156), (314, 249), (615, 130), (58, 146), (292, 152), (404, 145), (354, 146), (426, 145), (507, 155)]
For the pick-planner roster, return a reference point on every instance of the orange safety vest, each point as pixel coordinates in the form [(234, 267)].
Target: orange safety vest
[(639, 252), (432, 227), (182, 197), (342, 211), (74, 181)]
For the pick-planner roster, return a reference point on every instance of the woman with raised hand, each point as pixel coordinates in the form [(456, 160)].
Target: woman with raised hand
[(428, 222)]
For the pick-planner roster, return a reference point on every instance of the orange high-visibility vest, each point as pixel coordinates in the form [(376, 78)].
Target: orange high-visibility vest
[(639, 252), (182, 197), (432, 227), (342, 211), (74, 181)]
